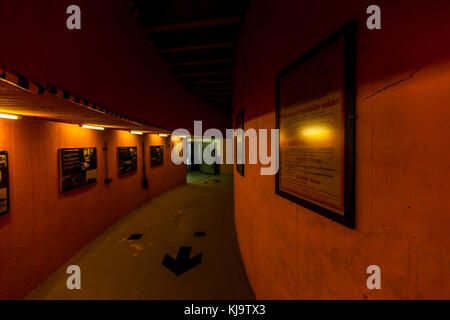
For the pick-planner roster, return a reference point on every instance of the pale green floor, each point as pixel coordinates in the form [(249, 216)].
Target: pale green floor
[(195, 176), (113, 267)]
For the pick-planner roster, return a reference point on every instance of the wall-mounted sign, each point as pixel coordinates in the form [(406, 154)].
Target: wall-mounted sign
[(4, 183), (127, 159), (240, 147), (316, 117), (167, 141), (156, 155), (78, 167)]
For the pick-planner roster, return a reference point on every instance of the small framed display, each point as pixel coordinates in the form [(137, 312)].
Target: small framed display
[(315, 113), (78, 167), (240, 142), (156, 155), (127, 160), (4, 183)]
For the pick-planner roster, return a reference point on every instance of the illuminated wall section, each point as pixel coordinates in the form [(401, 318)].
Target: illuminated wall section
[(402, 155), (44, 227)]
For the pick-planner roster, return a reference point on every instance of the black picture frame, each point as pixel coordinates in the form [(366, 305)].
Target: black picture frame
[(126, 160), (77, 168), (348, 34), (4, 182), (156, 156), (240, 125)]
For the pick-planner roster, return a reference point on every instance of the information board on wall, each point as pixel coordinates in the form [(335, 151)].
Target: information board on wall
[(156, 155), (4, 183), (315, 115), (78, 167), (127, 159)]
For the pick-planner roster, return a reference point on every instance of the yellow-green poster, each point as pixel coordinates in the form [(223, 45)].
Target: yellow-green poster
[(316, 119)]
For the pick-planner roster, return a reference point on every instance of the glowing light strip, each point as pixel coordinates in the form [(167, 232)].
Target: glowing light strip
[(92, 127), (8, 116), (137, 132)]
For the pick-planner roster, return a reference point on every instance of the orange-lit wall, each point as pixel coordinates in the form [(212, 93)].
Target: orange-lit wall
[(403, 155), (45, 228)]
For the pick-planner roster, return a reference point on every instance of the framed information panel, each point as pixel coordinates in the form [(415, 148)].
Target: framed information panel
[(127, 159), (156, 155), (4, 183), (315, 114), (240, 142), (78, 167)]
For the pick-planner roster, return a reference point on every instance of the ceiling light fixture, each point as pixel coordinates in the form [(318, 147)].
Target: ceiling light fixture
[(92, 127), (8, 116), (137, 132)]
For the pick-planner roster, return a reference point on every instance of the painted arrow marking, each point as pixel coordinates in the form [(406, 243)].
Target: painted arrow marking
[(183, 262)]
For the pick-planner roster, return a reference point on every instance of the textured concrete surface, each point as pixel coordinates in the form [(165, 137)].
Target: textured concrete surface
[(402, 159), (113, 267)]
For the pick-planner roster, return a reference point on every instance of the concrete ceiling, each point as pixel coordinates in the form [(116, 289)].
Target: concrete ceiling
[(19, 96), (196, 38)]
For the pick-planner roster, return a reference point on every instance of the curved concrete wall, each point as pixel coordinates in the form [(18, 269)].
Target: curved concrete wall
[(402, 155)]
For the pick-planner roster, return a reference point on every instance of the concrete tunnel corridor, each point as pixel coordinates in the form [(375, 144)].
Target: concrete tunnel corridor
[(113, 267), (257, 150)]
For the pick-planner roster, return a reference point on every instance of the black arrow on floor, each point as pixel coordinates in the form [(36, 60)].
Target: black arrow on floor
[(182, 263)]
